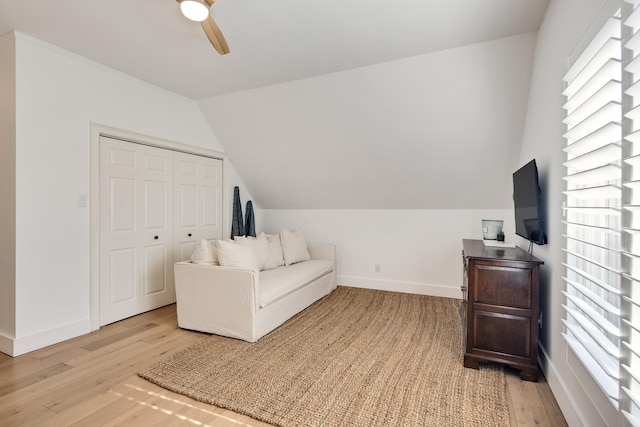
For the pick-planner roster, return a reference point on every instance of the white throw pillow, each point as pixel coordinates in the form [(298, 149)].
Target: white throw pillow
[(205, 253), (294, 246), (276, 259), (231, 254), (259, 245)]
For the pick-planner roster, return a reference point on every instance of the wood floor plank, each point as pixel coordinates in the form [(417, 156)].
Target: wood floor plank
[(22, 366), (551, 405), (35, 377), (26, 416), (76, 414), (528, 406), (71, 387), (91, 380), (116, 338), (61, 355), (513, 419)]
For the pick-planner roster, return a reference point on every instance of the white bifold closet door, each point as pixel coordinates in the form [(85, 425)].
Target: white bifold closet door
[(198, 202), (149, 198)]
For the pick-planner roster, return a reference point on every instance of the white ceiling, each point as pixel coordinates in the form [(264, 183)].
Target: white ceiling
[(398, 104), (271, 41)]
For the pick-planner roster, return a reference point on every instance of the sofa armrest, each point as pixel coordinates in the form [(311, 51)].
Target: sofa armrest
[(323, 251), (217, 299)]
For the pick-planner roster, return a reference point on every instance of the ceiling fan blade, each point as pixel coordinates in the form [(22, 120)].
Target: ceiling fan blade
[(215, 35)]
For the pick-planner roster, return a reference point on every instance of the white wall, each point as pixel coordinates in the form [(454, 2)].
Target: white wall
[(567, 24), (7, 190), (395, 163), (419, 251), (385, 136), (58, 95)]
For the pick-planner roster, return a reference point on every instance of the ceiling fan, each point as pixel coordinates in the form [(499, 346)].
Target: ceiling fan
[(198, 10)]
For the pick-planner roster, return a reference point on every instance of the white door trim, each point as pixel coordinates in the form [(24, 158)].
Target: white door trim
[(98, 130)]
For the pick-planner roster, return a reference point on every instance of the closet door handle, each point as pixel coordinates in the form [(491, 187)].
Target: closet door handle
[(155, 237), (189, 234)]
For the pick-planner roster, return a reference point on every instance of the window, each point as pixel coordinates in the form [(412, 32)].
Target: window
[(602, 210)]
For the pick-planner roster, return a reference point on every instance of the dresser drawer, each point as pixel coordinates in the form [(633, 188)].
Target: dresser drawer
[(502, 286), (501, 333)]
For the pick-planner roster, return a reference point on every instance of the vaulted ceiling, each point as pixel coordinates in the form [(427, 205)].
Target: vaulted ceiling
[(332, 104)]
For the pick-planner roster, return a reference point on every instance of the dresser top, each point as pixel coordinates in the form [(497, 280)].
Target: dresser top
[(477, 250)]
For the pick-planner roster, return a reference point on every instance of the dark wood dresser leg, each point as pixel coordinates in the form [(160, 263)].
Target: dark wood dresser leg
[(529, 374), (471, 362)]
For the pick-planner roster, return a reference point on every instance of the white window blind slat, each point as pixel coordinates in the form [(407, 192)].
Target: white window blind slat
[(610, 112), (633, 67), (583, 229), (600, 192), (633, 137), (633, 161), (605, 135), (634, 302), (605, 45), (633, 20), (593, 297), (594, 280), (634, 397), (607, 383), (607, 363), (635, 329), (590, 99), (633, 43), (592, 261), (585, 242), (632, 185), (592, 210), (606, 154), (594, 324), (604, 172), (634, 115)]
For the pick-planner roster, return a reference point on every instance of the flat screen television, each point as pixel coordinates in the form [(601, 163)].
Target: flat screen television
[(527, 203)]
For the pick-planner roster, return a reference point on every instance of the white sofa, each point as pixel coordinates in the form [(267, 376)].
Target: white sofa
[(247, 304)]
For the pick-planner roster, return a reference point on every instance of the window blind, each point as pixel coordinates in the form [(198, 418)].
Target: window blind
[(593, 208), (602, 210), (630, 384)]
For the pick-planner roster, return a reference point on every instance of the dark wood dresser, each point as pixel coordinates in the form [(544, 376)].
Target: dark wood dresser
[(500, 307)]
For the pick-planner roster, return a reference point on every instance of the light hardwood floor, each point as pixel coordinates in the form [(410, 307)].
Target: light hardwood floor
[(91, 381)]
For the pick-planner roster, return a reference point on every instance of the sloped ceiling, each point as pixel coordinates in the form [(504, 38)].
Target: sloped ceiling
[(333, 104), (436, 131)]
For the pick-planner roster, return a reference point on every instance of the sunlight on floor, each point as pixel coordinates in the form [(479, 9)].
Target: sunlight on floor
[(185, 405)]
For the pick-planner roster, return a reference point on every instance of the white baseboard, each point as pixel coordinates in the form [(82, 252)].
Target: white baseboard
[(28, 343), (406, 287), (560, 391), (6, 344)]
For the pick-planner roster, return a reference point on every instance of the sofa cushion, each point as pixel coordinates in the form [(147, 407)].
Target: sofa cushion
[(275, 258), (294, 246), (275, 284), (259, 245), (205, 253), (231, 254)]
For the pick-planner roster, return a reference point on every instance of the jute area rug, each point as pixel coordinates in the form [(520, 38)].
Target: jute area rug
[(358, 357)]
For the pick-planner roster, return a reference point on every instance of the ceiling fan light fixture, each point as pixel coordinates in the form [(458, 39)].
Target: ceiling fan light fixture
[(194, 10)]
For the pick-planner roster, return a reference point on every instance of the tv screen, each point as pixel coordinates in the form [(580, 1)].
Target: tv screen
[(526, 199)]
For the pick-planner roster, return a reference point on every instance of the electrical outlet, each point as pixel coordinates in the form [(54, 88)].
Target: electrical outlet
[(377, 268)]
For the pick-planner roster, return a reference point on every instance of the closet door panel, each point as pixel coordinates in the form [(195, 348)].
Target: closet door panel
[(198, 208), (122, 275), (136, 229)]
